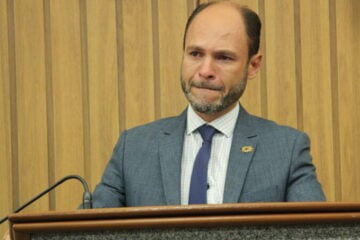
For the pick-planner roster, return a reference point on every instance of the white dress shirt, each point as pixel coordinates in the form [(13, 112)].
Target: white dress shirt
[(219, 157)]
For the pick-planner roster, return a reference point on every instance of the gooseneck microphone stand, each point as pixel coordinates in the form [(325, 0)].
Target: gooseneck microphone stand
[(87, 198)]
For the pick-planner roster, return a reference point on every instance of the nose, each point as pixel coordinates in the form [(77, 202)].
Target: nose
[(207, 69)]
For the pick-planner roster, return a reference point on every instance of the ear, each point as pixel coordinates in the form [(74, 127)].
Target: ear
[(254, 65)]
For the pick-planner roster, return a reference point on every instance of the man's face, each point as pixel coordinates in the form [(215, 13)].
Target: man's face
[(215, 61)]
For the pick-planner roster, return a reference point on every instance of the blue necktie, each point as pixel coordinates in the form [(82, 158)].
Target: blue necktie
[(198, 184)]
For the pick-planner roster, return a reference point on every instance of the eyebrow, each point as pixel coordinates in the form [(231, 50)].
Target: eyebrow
[(226, 52), (192, 48), (220, 51)]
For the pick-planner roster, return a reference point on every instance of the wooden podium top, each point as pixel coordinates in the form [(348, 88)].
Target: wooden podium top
[(184, 216)]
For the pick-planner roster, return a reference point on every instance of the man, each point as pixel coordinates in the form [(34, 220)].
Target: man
[(246, 158)]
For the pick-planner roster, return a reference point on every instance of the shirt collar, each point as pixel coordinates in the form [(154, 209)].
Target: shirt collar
[(225, 124)]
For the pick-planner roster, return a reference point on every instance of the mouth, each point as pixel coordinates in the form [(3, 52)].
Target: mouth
[(206, 86), (205, 92)]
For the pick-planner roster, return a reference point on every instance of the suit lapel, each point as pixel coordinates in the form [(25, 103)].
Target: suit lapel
[(170, 153), (242, 151)]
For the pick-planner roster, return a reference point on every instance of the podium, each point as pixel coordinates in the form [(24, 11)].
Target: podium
[(317, 220)]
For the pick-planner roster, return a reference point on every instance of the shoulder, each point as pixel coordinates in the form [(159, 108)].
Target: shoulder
[(160, 126), (143, 139), (268, 129), (266, 126)]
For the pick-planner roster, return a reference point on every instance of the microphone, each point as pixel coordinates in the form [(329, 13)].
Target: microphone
[(87, 198)]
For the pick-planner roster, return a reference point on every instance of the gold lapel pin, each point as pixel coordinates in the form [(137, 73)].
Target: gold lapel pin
[(247, 149)]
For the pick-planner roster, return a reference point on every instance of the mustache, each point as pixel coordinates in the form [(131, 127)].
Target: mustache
[(206, 85)]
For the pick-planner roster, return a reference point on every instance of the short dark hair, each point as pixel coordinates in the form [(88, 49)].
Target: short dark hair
[(251, 20)]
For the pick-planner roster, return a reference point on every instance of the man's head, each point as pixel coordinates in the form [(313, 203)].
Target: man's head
[(220, 53), (251, 20)]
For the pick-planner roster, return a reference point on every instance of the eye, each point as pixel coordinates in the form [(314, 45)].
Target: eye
[(195, 54), (224, 58)]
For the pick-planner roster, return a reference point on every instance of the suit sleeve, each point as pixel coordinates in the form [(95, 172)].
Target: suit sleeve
[(303, 184), (110, 192)]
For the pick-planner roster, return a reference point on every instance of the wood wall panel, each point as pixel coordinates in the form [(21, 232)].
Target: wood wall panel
[(5, 118), (31, 101), (172, 16), (280, 62), (317, 88), (103, 85), (348, 52), (68, 105), (75, 73), (138, 66)]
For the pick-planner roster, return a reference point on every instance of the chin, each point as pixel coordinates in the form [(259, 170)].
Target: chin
[(207, 98), (206, 101)]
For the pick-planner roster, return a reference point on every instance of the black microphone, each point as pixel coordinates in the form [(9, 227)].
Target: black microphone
[(87, 198)]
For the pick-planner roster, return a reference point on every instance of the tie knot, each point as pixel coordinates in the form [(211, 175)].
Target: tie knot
[(207, 132)]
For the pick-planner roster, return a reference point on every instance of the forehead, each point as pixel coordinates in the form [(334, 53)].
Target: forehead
[(218, 25)]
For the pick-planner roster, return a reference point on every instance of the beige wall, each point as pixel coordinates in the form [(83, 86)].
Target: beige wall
[(74, 73)]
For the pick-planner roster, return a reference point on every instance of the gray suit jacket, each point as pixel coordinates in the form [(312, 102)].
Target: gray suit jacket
[(145, 167)]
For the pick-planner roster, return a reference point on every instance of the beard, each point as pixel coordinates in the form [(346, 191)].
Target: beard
[(221, 104)]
